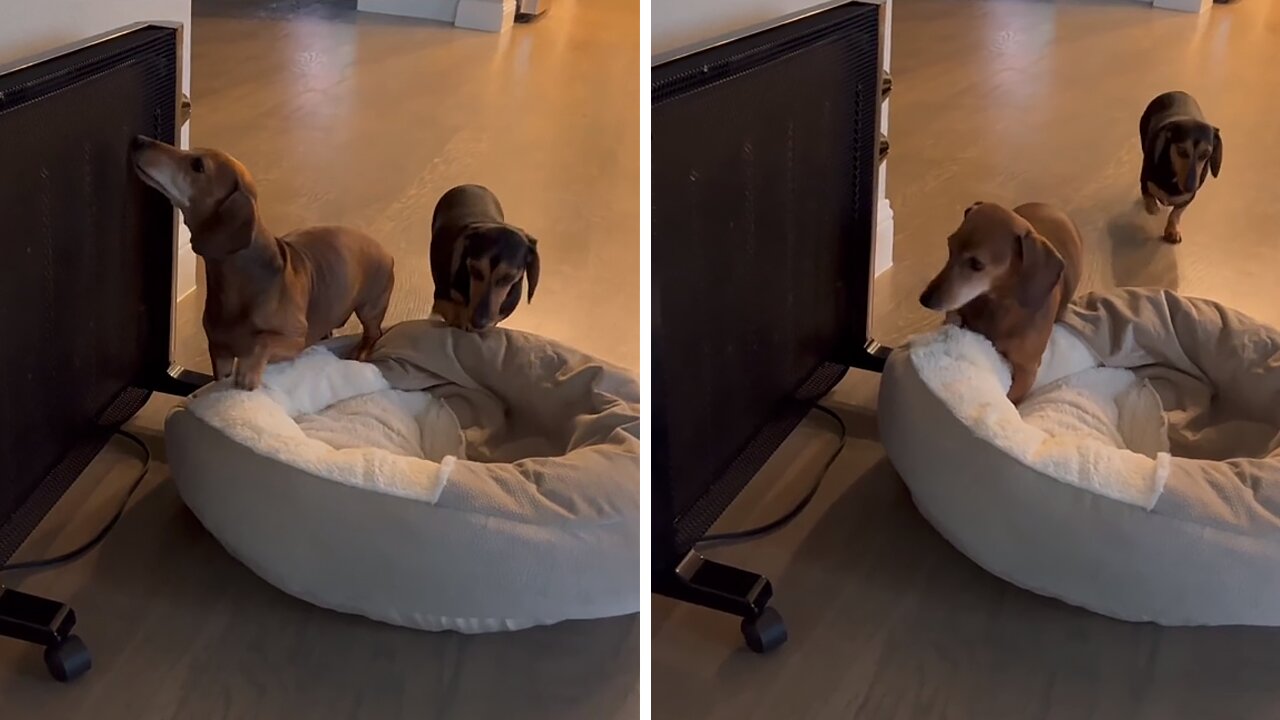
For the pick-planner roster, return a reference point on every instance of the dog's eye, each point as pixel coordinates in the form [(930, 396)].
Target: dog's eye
[(1182, 152), (197, 165), (975, 264), (476, 274)]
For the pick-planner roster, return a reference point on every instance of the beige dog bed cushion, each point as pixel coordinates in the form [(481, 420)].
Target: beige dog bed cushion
[(469, 482), (1140, 479)]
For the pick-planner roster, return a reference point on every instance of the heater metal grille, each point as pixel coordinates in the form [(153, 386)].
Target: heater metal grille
[(764, 192), (86, 259)]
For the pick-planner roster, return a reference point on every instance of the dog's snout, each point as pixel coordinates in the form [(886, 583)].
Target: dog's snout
[(480, 321), (138, 148)]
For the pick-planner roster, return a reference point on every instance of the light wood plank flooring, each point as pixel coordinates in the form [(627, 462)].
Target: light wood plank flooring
[(366, 120)]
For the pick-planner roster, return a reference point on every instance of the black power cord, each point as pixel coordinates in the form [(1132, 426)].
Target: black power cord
[(78, 552), (737, 536)]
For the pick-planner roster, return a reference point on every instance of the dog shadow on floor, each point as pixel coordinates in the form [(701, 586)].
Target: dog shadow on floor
[(1139, 258)]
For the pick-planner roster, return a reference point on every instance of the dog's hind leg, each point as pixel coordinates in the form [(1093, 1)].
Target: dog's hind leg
[(371, 314)]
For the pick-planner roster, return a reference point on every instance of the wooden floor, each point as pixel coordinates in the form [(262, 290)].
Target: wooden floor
[(1005, 100), (365, 120)]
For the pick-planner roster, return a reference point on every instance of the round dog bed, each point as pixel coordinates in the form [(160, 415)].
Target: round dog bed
[(1140, 480), (462, 481)]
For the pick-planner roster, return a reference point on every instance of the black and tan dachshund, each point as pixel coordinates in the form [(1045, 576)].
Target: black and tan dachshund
[(479, 263), (1179, 150)]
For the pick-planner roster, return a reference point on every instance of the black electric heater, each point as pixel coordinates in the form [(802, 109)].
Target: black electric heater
[(766, 152), (87, 281)]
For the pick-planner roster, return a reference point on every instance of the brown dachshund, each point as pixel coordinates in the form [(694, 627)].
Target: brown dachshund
[(1009, 275), (479, 263), (268, 298)]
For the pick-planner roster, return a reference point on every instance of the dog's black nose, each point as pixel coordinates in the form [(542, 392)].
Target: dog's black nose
[(926, 299), (481, 320)]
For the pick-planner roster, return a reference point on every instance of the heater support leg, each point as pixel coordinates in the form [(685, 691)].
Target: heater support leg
[(702, 581), (698, 580), (41, 621), (870, 356)]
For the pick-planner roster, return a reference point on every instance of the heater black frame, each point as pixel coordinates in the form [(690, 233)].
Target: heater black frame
[(679, 570), (29, 617)]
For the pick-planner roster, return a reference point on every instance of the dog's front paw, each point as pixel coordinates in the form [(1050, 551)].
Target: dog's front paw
[(1172, 235), (247, 380), (1150, 204), (453, 314)]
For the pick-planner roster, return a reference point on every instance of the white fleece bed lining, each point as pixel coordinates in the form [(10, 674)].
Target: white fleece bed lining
[(295, 396), (301, 416), (1096, 428)]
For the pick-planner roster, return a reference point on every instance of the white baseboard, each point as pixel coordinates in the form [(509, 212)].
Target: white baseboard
[(488, 15), (445, 10), (185, 282), (1191, 6), (884, 236)]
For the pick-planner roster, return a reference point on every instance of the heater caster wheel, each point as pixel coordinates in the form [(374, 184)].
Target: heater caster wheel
[(764, 632), (68, 659)]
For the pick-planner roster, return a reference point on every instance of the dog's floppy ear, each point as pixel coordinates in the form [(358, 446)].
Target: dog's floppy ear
[(1041, 268), (1215, 159), (460, 272), (229, 228), (1158, 143), (532, 265), (971, 207)]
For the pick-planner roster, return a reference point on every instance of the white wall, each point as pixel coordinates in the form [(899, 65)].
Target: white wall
[(488, 15), (27, 28), (678, 23)]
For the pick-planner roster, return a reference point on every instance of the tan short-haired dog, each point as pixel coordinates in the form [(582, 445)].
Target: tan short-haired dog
[(1009, 275), (268, 297), (479, 263)]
